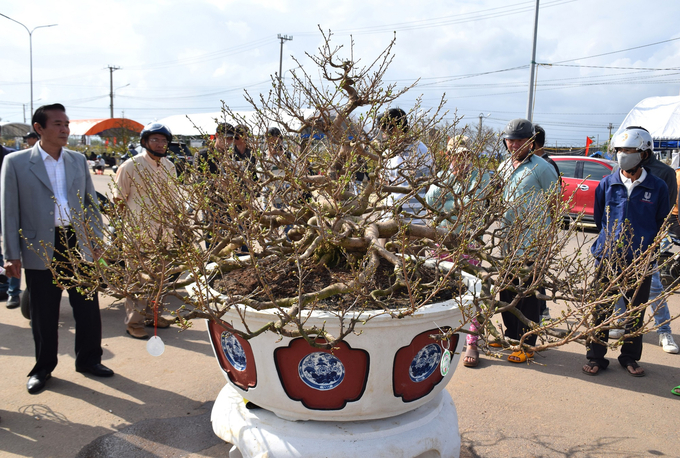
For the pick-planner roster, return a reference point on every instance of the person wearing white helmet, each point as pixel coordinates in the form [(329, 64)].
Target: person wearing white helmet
[(134, 192), (660, 310), (630, 207)]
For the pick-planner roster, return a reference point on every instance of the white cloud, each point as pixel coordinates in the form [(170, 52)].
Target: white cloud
[(173, 53)]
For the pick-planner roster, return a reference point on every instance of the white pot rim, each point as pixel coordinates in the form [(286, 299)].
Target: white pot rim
[(472, 283)]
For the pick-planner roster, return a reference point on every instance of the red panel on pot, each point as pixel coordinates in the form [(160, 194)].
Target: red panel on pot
[(416, 366), (234, 354), (322, 379)]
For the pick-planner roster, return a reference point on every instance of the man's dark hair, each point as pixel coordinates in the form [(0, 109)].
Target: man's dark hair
[(224, 128), (394, 119), (241, 131), (40, 115), (273, 132), (540, 136)]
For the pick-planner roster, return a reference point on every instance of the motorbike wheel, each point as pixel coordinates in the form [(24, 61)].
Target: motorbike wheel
[(25, 311), (674, 270)]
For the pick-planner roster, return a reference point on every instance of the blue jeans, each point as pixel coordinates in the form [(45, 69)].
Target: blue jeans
[(13, 285), (659, 308)]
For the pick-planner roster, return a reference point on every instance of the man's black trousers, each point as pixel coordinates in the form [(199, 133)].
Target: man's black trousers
[(44, 301)]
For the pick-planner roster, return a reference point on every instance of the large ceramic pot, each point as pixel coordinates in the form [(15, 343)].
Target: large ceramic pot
[(391, 367)]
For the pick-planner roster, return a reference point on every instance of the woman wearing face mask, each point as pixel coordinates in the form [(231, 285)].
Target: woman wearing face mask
[(630, 208)]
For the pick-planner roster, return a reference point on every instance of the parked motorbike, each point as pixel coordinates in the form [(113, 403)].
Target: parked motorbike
[(670, 267)]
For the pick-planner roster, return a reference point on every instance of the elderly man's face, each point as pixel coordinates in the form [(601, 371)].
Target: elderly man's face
[(56, 130)]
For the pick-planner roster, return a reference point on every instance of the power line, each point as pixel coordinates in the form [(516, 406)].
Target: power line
[(199, 58), (195, 96), (619, 51), (461, 18), (615, 68), (559, 63)]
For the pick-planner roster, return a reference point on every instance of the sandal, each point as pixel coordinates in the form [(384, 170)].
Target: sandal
[(472, 353), (497, 343), (592, 365), (520, 356), (634, 366), (676, 390)]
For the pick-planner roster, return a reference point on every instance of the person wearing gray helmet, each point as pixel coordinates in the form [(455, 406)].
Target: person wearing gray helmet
[(529, 181)]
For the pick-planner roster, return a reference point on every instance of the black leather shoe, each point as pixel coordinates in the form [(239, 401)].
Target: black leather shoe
[(36, 382), (4, 296), (98, 370)]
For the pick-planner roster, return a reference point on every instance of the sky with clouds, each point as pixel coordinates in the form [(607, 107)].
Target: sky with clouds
[(598, 57)]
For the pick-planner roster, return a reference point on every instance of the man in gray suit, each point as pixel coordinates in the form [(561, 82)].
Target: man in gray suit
[(47, 199)]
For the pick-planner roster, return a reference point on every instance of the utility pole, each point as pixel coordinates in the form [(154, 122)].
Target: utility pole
[(481, 116), (610, 130), (111, 70), (283, 39), (530, 104)]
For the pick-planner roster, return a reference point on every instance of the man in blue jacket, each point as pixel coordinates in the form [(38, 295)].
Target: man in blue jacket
[(630, 208)]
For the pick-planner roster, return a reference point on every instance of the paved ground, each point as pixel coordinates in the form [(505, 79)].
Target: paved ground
[(159, 407)]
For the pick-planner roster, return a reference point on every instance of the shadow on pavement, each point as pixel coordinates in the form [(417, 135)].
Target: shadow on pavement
[(559, 362), (169, 437)]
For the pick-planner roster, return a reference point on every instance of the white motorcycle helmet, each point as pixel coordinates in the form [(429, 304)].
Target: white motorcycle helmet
[(634, 137)]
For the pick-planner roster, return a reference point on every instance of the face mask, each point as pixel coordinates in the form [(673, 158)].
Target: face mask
[(628, 161)]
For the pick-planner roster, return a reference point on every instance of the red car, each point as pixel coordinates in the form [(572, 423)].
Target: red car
[(582, 174)]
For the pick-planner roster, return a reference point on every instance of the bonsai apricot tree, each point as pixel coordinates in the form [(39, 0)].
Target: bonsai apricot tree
[(333, 215)]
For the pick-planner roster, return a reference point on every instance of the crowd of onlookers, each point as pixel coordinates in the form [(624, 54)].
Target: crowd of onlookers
[(47, 196)]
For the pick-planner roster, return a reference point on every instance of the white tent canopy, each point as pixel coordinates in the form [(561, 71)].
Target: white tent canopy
[(659, 115), (191, 125), (203, 123)]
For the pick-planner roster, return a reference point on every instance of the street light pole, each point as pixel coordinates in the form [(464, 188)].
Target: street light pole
[(30, 45), (530, 104)]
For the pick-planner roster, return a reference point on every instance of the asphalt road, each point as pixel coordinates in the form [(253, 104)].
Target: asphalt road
[(159, 406)]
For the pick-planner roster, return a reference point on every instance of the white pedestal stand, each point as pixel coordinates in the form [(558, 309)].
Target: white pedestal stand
[(430, 431)]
